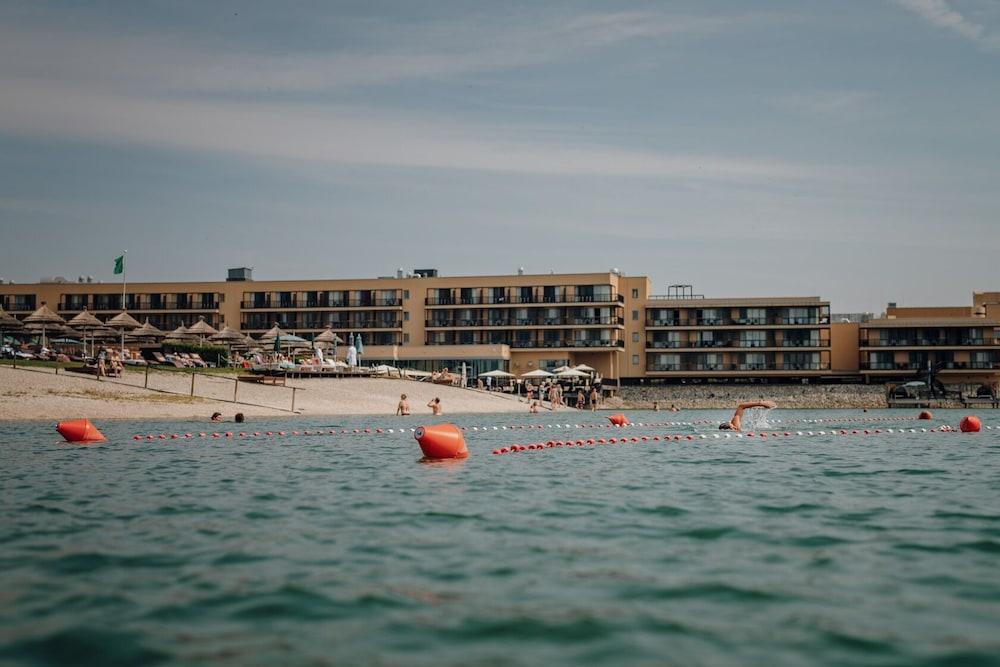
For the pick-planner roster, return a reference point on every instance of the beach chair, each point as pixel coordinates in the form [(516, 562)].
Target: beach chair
[(198, 360), (171, 360)]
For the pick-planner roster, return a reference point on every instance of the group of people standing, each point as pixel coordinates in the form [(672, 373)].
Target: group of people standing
[(554, 392)]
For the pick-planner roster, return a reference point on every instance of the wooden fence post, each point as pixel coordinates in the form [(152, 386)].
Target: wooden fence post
[(192, 383), (236, 386), (293, 399), (145, 384)]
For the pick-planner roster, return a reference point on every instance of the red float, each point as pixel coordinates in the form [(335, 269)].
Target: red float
[(619, 419), (79, 430), (441, 441), (925, 415), (970, 424)]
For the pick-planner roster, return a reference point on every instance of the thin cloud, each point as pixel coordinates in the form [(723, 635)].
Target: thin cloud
[(942, 15), (347, 135)]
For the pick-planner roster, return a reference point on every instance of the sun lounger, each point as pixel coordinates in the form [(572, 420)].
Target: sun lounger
[(198, 360)]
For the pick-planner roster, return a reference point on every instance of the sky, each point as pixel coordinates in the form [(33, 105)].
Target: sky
[(849, 149)]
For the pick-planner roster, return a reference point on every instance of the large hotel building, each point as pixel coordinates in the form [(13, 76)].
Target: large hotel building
[(612, 322)]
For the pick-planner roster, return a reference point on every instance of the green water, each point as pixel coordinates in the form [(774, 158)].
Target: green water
[(342, 550)]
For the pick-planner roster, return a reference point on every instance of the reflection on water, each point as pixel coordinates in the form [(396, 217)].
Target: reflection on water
[(343, 550)]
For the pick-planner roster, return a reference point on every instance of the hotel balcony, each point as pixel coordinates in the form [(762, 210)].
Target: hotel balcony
[(925, 342), (298, 304), (142, 306), (914, 366), (737, 344), (542, 344), (516, 300), (738, 368), (540, 322), (654, 323)]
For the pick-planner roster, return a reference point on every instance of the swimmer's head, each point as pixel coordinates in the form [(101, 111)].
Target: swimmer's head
[(726, 426)]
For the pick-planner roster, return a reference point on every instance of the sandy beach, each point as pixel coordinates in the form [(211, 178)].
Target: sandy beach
[(41, 394)]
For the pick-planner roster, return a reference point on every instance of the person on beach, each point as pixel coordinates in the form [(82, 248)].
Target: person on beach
[(594, 397), (403, 408), (579, 399), (554, 396), (736, 422), (435, 406), (217, 416)]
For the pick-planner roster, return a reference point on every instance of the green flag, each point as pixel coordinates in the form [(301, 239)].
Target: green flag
[(120, 265)]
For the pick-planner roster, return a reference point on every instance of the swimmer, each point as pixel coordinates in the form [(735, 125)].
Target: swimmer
[(534, 408), (674, 408), (217, 416), (435, 406), (404, 406), (240, 418), (737, 420), (656, 406)]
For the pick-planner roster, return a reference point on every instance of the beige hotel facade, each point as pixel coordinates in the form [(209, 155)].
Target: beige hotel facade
[(612, 322)]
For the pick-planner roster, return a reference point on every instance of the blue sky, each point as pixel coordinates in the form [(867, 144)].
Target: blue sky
[(846, 149)]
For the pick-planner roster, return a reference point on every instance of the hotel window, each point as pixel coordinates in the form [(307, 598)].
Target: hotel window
[(406, 338), (635, 336), (550, 316), (602, 292), (753, 339), (494, 317), (550, 294), (498, 295), (523, 338), (387, 297), (706, 339), (466, 338), (801, 361), (635, 359), (406, 294), (406, 316), (635, 294), (635, 315), (709, 316), (667, 362), (526, 295), (753, 361), (754, 316), (799, 316)]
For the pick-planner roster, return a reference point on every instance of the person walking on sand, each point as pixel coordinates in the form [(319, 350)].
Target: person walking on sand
[(435, 406), (594, 397), (736, 422), (554, 397), (403, 408), (579, 399)]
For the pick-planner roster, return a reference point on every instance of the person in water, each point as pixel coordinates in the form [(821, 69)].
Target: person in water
[(534, 407), (404, 406), (736, 422), (435, 406), (217, 416), (240, 418)]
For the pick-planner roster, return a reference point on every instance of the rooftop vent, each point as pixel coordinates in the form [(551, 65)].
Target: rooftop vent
[(243, 273)]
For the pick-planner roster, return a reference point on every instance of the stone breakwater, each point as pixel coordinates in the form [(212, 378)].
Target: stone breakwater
[(727, 396)]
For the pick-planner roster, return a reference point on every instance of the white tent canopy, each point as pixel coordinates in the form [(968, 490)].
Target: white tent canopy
[(537, 373), (572, 373), (496, 374), (585, 368)]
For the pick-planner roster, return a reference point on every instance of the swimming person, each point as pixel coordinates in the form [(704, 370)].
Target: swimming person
[(404, 406), (435, 406), (534, 408), (217, 416), (240, 418), (737, 420)]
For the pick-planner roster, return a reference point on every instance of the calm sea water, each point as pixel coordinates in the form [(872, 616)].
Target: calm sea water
[(343, 550)]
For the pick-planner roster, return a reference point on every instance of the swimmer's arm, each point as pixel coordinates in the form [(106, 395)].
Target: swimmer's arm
[(755, 404)]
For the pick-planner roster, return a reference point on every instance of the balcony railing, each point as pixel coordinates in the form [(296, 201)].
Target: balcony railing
[(740, 367), (522, 344), (928, 342), (323, 303), (478, 300), (522, 322), (922, 366), (729, 322)]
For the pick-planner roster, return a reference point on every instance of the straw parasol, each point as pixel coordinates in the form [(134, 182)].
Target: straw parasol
[(585, 368), (201, 328), (85, 322), (274, 332), (537, 373), (8, 323), (229, 337), (496, 374), (148, 331), (572, 373), (178, 335), (42, 318), (329, 338), (123, 322)]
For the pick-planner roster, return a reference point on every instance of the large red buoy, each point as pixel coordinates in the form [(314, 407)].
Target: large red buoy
[(926, 414), (970, 424), (80, 430), (618, 419), (441, 441)]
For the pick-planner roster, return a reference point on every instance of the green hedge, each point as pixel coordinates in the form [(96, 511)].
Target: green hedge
[(213, 354)]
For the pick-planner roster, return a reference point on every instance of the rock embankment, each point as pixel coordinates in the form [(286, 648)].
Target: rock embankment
[(727, 396)]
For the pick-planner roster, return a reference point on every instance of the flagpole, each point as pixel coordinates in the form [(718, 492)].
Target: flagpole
[(124, 253)]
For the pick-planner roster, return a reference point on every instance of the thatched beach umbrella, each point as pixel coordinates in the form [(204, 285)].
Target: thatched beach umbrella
[(228, 337), (148, 332), (201, 329), (272, 333), (329, 338), (42, 318), (123, 322), (8, 323), (85, 322)]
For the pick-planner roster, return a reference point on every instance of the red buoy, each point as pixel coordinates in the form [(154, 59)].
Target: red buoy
[(926, 414), (970, 424), (441, 441), (79, 430), (619, 419)]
